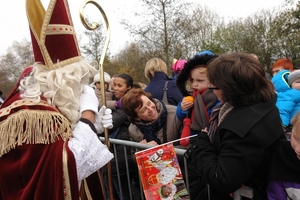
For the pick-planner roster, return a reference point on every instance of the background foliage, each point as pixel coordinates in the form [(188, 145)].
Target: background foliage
[(173, 29)]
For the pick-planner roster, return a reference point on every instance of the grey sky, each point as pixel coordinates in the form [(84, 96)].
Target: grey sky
[(14, 25)]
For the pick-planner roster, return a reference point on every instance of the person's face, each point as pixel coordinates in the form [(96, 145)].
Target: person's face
[(147, 111), (295, 143), (296, 84), (120, 87), (275, 70), (199, 81), (216, 91), (166, 191), (98, 85)]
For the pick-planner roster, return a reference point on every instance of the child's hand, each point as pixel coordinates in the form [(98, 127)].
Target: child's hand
[(187, 103)]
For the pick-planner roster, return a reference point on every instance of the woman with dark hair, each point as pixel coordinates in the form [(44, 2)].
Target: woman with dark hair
[(122, 84), (236, 155)]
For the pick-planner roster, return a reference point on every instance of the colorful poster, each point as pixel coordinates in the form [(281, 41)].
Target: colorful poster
[(160, 173)]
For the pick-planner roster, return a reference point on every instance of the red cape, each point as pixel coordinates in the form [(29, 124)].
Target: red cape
[(34, 171)]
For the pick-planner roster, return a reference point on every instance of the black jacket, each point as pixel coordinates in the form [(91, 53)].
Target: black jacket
[(240, 154), (120, 125)]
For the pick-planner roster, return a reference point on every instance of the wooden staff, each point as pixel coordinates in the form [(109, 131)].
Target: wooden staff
[(92, 27)]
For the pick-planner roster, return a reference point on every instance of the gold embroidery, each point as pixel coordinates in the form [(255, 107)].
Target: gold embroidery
[(23, 102), (67, 187), (87, 190), (31, 127)]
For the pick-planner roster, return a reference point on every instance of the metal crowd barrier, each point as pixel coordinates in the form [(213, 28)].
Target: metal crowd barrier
[(137, 193)]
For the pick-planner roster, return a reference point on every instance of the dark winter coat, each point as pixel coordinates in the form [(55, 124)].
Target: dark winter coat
[(156, 88), (239, 156), (120, 131), (284, 173)]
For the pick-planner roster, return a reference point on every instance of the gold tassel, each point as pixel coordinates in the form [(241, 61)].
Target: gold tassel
[(33, 127)]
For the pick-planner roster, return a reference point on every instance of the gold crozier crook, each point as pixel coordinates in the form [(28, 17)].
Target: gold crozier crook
[(94, 26)]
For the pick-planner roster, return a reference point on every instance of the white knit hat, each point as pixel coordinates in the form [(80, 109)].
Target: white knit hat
[(97, 78), (293, 76)]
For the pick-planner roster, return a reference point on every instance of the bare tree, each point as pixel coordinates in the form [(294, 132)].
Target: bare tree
[(92, 44), (199, 26), (18, 56), (130, 60), (158, 29)]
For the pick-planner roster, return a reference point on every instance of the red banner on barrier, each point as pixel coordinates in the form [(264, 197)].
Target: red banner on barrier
[(160, 173)]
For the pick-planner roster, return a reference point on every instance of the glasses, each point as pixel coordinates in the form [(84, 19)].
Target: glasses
[(211, 87)]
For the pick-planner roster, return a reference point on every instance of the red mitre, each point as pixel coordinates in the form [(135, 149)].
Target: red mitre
[(52, 33)]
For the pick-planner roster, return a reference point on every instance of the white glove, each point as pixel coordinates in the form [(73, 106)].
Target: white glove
[(103, 119), (88, 100), (106, 117)]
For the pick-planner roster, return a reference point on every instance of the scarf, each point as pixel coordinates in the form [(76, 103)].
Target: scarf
[(217, 116), (225, 109), (213, 122), (149, 129), (203, 102)]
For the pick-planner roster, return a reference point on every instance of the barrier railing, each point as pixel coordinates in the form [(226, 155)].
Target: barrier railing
[(135, 189), (136, 193)]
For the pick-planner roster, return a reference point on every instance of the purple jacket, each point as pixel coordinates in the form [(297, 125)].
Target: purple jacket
[(283, 190), (284, 173)]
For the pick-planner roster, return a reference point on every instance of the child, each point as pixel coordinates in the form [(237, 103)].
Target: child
[(285, 167), (196, 113), (177, 67), (287, 86), (281, 64), (96, 85)]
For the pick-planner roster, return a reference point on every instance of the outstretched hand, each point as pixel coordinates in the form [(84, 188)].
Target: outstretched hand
[(106, 117), (103, 119)]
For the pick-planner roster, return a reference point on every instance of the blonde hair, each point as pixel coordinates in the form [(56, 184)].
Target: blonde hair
[(61, 87), (296, 126), (202, 70), (154, 65)]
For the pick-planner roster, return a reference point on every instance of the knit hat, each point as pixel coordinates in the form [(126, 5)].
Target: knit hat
[(208, 52), (199, 59), (178, 65), (293, 76), (97, 78), (285, 63)]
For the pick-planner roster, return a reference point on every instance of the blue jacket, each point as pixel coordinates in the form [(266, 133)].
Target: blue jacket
[(157, 84), (288, 99)]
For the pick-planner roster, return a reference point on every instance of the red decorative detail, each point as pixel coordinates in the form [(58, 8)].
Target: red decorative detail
[(186, 131)]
